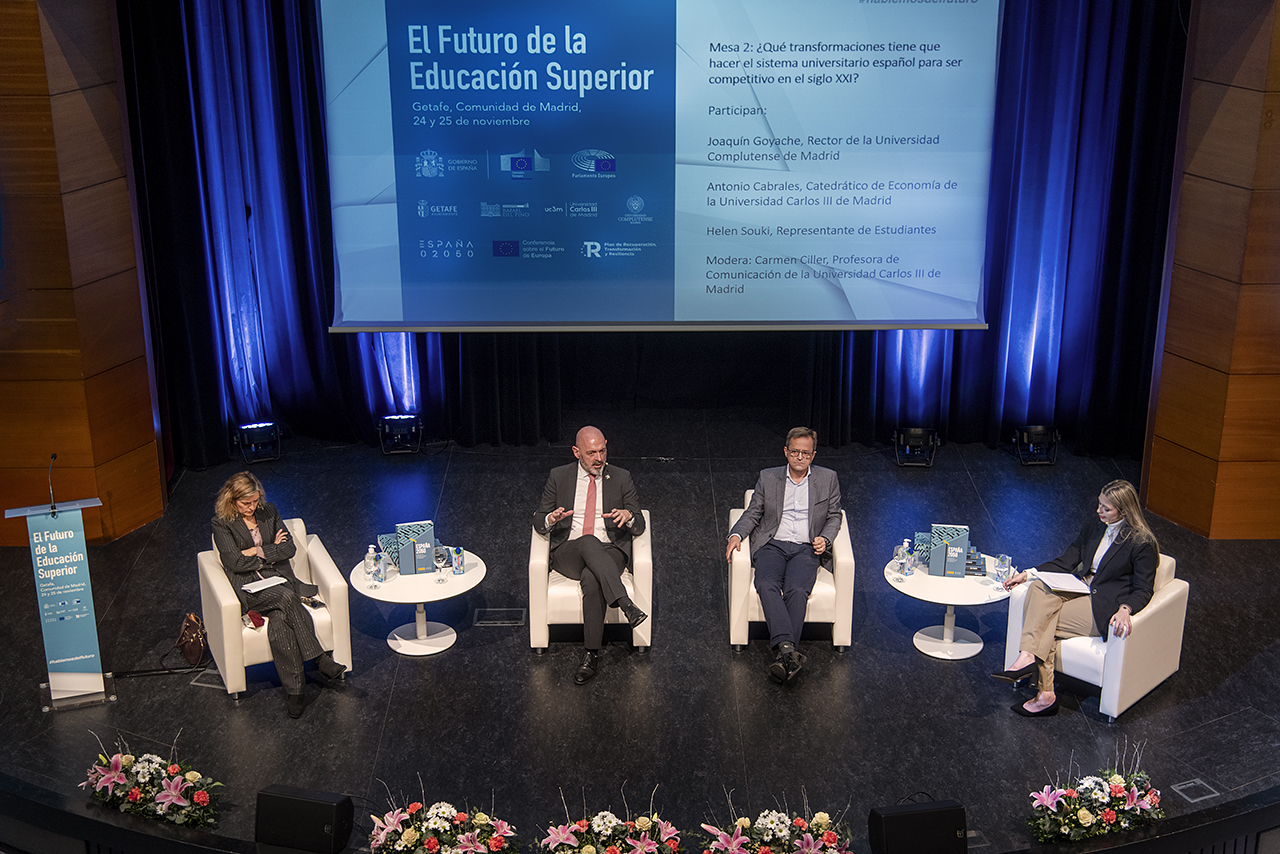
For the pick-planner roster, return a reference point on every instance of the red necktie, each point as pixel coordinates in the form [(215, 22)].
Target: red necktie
[(589, 512)]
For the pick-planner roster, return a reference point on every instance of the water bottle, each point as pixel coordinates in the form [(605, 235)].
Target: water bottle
[(380, 568), (904, 558), (370, 560)]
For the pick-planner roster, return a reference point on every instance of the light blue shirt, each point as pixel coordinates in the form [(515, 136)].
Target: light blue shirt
[(794, 525)]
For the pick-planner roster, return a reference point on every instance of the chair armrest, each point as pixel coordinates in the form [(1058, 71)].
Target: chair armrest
[(642, 581), (220, 610), (739, 587), (1149, 655), (335, 594), (842, 567), (539, 572), (1013, 630)]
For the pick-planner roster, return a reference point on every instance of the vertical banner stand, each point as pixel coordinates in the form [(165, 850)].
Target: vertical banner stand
[(64, 596)]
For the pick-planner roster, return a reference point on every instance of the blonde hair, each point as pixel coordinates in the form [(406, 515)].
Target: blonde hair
[(239, 486), (1124, 498)]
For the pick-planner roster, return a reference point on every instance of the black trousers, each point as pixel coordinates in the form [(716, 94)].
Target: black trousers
[(597, 567), (290, 633), (785, 574)]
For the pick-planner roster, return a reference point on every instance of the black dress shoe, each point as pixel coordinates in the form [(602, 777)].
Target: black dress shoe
[(1047, 712), (329, 668), (778, 669), (634, 615), (1015, 676), (587, 669), (294, 704), (794, 661)]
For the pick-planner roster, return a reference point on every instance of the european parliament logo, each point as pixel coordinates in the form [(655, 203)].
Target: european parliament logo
[(593, 163)]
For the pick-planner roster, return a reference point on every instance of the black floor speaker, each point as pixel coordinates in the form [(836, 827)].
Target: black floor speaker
[(937, 827), (303, 820)]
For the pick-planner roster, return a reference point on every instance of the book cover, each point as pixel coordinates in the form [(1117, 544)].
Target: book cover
[(950, 542)]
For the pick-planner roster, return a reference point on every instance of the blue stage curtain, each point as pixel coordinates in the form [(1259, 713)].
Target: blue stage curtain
[(1087, 111)]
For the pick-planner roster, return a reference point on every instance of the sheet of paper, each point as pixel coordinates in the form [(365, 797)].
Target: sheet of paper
[(263, 583), (1064, 581)]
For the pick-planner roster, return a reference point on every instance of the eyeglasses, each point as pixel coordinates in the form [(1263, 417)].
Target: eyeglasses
[(796, 452)]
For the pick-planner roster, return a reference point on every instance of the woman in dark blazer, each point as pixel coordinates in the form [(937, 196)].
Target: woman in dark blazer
[(253, 544), (1117, 556)]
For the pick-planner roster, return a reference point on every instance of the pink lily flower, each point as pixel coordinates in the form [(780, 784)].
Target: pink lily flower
[(385, 825), (501, 828), (666, 830), (111, 778), (1047, 798), (808, 845), (562, 835), (172, 794), (643, 845), (735, 844), (470, 842)]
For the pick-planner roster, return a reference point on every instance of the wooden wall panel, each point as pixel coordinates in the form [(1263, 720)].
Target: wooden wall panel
[(1203, 312), (119, 410), (21, 51), (1267, 174), (1251, 420), (99, 231), (1181, 485), (1212, 221), (29, 486), (87, 126), (131, 490), (1257, 342), (79, 44), (1262, 244), (1191, 405), (1222, 133), (44, 417), (36, 234), (1248, 494), (116, 334), (1233, 42), (28, 160)]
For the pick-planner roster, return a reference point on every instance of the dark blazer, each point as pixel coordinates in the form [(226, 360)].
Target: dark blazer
[(763, 515), (618, 491), (1126, 575), (229, 538)]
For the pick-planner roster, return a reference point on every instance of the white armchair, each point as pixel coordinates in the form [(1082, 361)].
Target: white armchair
[(555, 599), (235, 646), (830, 602), (1126, 669)]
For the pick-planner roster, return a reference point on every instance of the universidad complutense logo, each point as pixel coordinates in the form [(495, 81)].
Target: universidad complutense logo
[(590, 249)]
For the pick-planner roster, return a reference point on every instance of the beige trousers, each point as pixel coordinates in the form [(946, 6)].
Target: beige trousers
[(1048, 617)]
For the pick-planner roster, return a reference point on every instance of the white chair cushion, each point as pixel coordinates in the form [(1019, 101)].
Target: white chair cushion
[(257, 648), (822, 600), (564, 600)]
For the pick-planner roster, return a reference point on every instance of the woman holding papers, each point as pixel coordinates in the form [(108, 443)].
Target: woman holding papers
[(255, 547), (1113, 564)]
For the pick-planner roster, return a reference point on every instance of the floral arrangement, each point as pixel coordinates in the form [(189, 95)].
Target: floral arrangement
[(775, 832), (149, 786), (441, 829), (1097, 804), (605, 833)]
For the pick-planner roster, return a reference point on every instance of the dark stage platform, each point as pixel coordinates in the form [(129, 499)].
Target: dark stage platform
[(490, 724)]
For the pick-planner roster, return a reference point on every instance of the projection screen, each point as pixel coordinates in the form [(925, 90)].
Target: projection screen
[(698, 164)]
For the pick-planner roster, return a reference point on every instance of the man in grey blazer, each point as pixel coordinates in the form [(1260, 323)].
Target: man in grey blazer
[(591, 511), (792, 520)]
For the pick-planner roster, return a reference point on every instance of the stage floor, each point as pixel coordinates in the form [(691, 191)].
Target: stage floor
[(691, 726)]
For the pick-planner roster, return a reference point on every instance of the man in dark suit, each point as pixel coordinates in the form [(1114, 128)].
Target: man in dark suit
[(591, 511), (792, 520)]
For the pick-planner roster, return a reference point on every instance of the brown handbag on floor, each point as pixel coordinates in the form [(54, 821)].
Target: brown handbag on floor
[(193, 640)]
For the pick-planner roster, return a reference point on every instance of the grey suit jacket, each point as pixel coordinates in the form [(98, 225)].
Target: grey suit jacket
[(763, 515), (617, 491), (229, 538)]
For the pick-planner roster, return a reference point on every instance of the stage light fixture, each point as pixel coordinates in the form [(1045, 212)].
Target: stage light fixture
[(1037, 444), (915, 446), (259, 441), (400, 434)]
